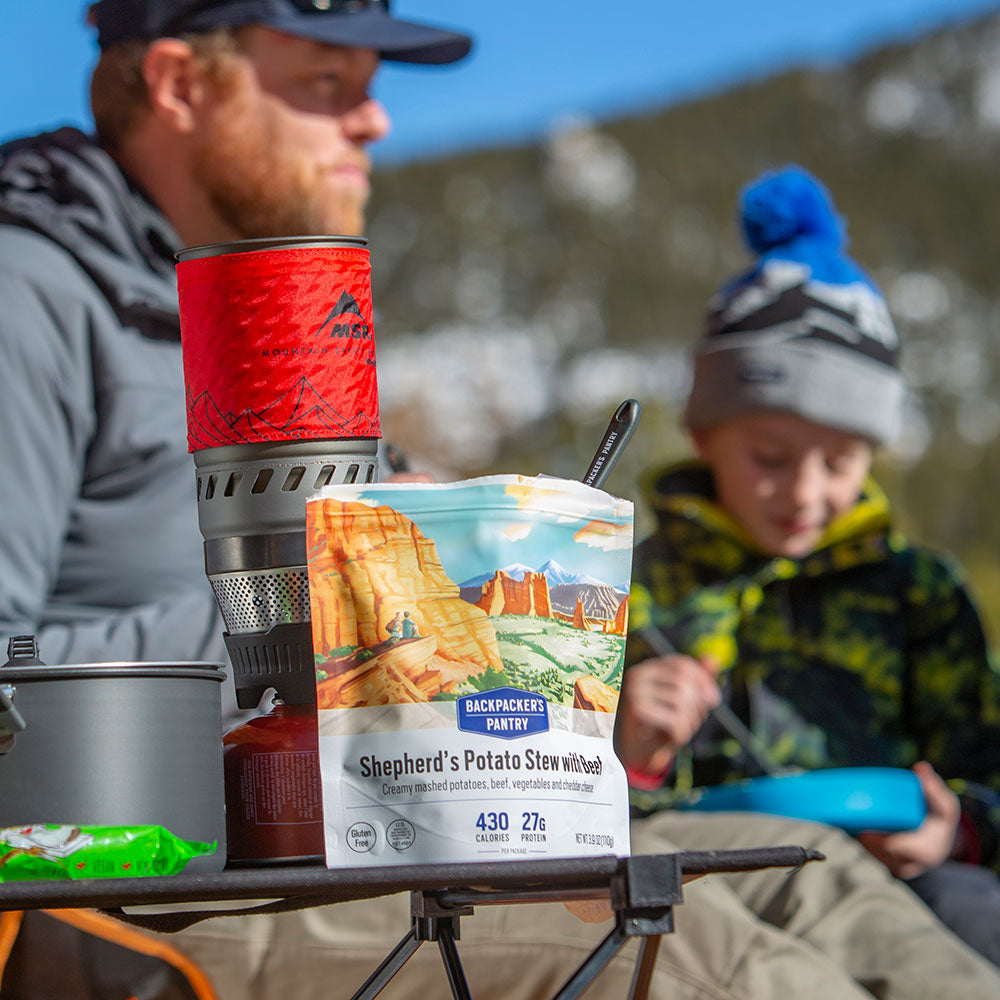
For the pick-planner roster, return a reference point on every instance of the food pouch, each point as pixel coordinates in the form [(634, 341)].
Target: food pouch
[(59, 851), (469, 641)]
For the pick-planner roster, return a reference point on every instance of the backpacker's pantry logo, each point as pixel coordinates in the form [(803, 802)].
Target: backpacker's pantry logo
[(504, 712)]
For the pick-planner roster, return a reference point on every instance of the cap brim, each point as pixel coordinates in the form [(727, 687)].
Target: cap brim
[(401, 41)]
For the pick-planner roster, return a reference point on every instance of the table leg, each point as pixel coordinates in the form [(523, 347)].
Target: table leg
[(593, 964), (644, 967), (452, 965), (390, 965), (430, 923)]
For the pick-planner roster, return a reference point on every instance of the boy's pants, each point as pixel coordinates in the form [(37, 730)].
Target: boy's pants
[(836, 930), (965, 898)]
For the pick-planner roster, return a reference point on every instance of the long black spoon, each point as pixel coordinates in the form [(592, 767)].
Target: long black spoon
[(752, 745), (618, 434)]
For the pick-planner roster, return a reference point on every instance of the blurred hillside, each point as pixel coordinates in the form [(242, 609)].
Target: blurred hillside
[(522, 293)]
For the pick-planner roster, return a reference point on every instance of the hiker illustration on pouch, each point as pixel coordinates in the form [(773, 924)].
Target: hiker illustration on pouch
[(395, 627)]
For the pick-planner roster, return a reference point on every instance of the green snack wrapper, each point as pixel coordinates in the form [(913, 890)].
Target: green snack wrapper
[(58, 851)]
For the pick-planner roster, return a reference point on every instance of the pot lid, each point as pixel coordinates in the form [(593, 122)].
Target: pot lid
[(23, 663)]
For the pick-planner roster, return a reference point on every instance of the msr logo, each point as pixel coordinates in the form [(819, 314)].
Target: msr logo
[(345, 320)]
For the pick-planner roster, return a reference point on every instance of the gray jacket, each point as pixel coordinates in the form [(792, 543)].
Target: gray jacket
[(100, 553)]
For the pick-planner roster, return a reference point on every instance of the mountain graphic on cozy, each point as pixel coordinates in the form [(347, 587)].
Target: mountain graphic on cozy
[(295, 414)]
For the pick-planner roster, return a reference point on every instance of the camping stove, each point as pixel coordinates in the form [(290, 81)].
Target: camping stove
[(279, 366), (252, 510)]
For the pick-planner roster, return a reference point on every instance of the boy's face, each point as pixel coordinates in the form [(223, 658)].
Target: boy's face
[(784, 479)]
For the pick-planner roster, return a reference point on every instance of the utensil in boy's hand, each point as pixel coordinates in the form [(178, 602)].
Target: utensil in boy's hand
[(618, 434), (722, 713), (855, 799)]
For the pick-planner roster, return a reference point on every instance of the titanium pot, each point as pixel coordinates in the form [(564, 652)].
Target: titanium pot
[(115, 744)]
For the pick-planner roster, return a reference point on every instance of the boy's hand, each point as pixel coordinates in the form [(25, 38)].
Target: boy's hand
[(909, 853), (663, 703)]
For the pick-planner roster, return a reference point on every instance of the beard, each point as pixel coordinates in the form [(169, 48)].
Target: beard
[(261, 188)]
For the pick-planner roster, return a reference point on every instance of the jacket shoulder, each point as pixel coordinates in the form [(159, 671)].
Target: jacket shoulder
[(25, 253)]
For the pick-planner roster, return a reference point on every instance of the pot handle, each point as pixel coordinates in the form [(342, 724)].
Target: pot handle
[(11, 720)]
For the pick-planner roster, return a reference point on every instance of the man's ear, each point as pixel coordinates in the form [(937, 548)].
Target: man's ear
[(174, 83)]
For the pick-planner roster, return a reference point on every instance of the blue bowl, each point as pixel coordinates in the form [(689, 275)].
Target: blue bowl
[(856, 799)]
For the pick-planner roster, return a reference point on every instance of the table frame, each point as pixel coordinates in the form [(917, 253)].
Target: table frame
[(642, 891)]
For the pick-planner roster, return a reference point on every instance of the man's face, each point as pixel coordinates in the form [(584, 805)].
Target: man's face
[(280, 148), (784, 479)]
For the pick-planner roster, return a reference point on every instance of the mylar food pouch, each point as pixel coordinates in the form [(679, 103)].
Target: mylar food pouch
[(60, 851), (469, 641)]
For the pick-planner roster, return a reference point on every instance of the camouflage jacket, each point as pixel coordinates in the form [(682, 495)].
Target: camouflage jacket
[(869, 651)]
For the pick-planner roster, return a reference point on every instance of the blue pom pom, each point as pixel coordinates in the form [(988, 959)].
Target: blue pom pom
[(786, 205)]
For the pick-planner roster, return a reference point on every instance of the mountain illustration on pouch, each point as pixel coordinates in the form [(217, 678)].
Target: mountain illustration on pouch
[(599, 600), (390, 625), (297, 413)]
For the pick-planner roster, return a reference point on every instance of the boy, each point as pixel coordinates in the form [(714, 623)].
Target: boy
[(775, 572)]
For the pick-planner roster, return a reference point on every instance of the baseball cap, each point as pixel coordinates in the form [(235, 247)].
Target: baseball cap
[(357, 23)]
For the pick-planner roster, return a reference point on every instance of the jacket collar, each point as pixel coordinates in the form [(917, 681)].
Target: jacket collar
[(685, 492)]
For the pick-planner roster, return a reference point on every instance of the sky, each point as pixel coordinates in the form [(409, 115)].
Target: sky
[(480, 526), (535, 61)]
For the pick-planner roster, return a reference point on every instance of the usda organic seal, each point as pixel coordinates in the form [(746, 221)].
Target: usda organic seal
[(400, 835)]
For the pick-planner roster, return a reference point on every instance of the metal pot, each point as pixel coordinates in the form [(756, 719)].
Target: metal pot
[(115, 744)]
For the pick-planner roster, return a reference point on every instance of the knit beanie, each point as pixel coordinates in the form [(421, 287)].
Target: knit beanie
[(804, 331)]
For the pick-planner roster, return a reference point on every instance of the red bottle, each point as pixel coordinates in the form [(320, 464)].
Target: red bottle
[(274, 799)]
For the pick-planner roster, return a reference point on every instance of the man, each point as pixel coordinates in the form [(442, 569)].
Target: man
[(242, 118), (409, 627), (214, 121)]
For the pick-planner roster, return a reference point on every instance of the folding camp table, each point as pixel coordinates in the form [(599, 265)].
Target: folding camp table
[(642, 891)]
